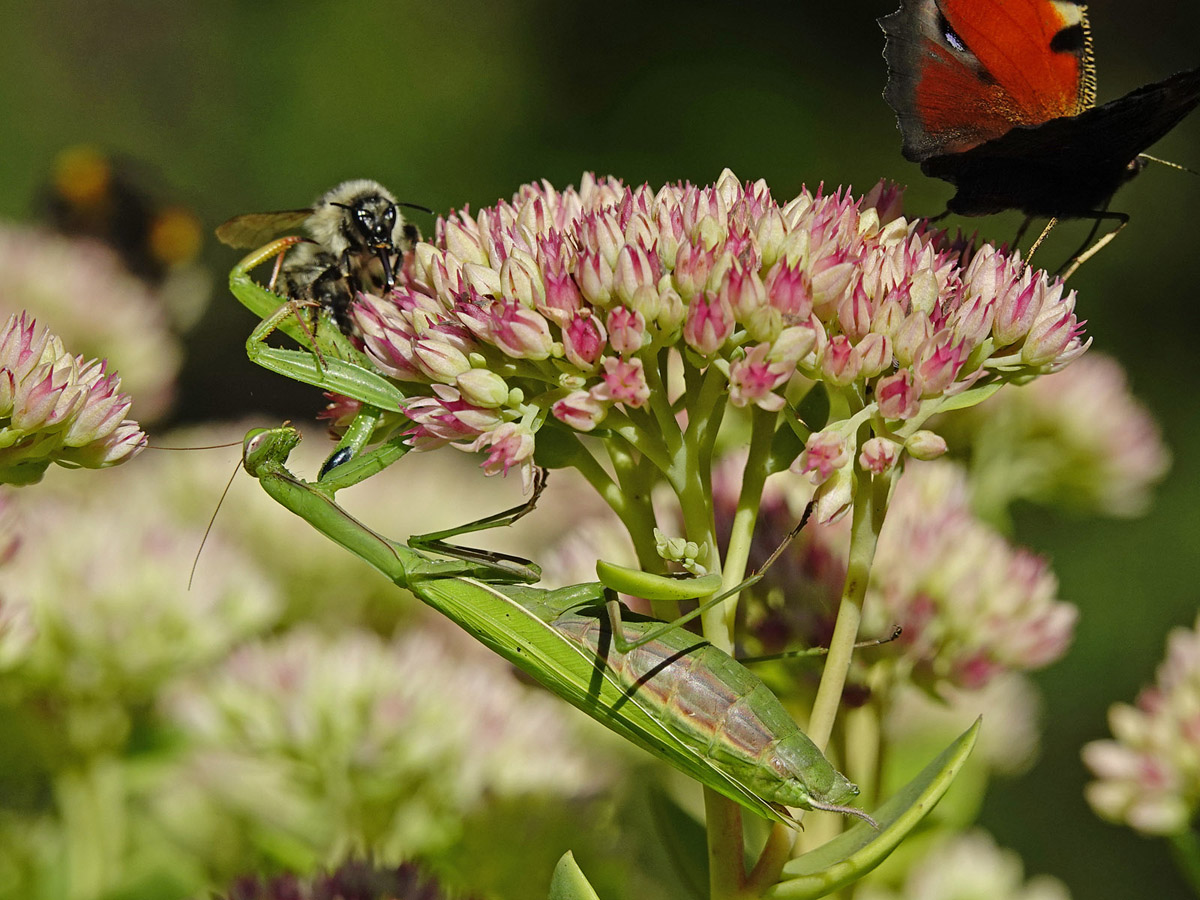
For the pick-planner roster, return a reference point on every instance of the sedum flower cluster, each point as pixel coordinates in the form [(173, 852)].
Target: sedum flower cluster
[(558, 306), (1148, 777), (56, 407), (350, 743), (81, 288)]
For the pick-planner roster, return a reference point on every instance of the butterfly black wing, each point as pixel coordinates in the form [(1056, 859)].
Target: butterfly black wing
[(1067, 167)]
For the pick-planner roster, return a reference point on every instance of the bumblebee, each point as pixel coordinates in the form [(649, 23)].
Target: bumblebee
[(357, 237)]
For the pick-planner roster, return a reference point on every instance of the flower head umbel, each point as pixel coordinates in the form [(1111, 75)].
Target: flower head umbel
[(98, 308), (568, 299), (1149, 776), (55, 407)]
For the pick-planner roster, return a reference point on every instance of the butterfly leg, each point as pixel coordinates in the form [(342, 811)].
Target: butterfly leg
[(1080, 256)]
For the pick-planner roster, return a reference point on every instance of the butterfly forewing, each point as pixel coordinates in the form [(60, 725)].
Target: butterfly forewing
[(963, 72)]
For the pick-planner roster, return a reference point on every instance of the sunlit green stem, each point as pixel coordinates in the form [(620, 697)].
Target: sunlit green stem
[(1185, 848), (726, 871), (91, 803), (741, 535), (870, 505)]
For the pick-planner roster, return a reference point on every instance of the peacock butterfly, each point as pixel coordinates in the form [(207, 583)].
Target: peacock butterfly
[(997, 97)]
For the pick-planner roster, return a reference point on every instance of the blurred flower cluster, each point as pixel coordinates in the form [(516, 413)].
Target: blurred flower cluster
[(349, 881), (95, 599), (354, 744), (81, 290), (970, 867), (561, 303), (56, 407), (1077, 438), (1148, 777), (971, 605)]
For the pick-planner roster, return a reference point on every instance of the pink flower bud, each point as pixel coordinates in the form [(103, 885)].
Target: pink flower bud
[(753, 378), (770, 235), (824, 453), (692, 265), (1051, 335), (841, 363), (834, 498), (626, 330), (519, 332), (595, 277), (925, 445), (709, 324), (1018, 309), (789, 291), (898, 395), (483, 387), (624, 382), (743, 292), (521, 281), (438, 360), (509, 444), (913, 335), (854, 314), (580, 410), (938, 364), (879, 455), (633, 271), (875, 351), (563, 299), (464, 245), (584, 340)]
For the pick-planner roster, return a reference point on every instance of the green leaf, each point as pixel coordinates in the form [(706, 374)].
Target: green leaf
[(569, 882), (857, 851), (969, 398)]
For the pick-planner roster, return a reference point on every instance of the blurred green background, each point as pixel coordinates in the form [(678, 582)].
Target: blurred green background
[(239, 107)]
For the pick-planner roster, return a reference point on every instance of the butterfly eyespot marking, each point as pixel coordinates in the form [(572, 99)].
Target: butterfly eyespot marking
[(949, 35)]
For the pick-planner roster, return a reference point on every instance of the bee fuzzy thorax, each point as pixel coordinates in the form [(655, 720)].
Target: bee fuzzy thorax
[(356, 215)]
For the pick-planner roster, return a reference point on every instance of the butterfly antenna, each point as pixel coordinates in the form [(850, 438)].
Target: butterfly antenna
[(1041, 237), (1167, 162)]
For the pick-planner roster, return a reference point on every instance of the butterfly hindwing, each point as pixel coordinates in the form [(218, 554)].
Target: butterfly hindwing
[(1067, 166)]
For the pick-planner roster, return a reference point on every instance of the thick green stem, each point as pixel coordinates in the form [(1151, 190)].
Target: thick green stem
[(870, 505), (726, 871), (741, 534), (771, 861)]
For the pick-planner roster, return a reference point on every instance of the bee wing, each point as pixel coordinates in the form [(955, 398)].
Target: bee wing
[(255, 229)]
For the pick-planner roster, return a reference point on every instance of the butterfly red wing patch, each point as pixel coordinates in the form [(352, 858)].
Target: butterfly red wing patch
[(963, 72)]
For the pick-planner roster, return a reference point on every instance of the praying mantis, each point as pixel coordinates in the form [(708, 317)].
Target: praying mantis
[(661, 687)]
